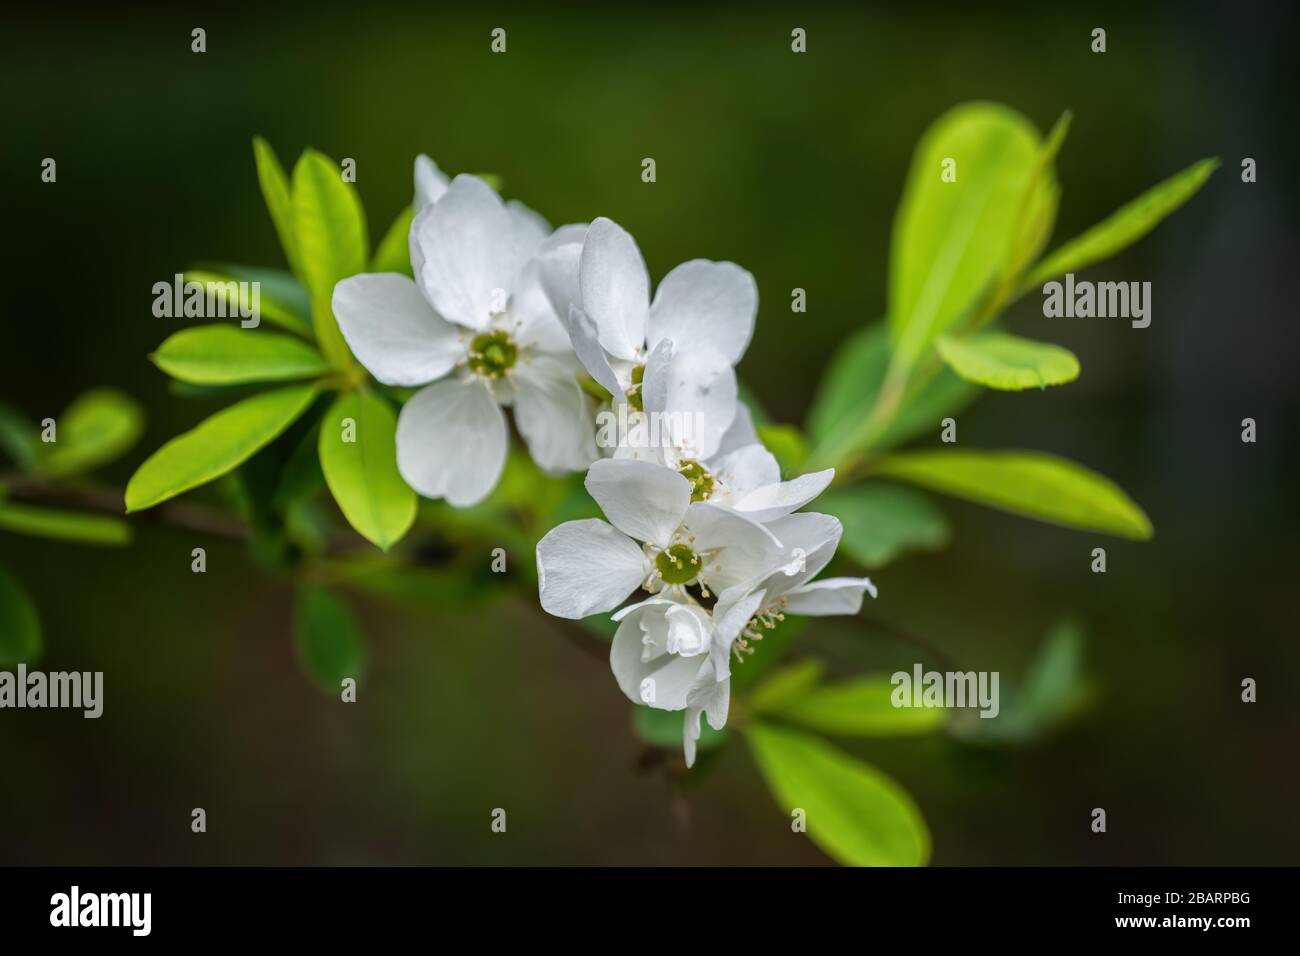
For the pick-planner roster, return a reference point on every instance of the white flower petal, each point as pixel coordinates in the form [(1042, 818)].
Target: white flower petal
[(658, 680), (615, 288), (809, 540), (829, 596), (736, 605), (745, 550), (467, 253), (705, 304), (740, 433), (696, 395), (552, 414), (392, 331), (587, 567), (557, 261), (430, 182), (530, 229), (745, 470), (642, 499), (776, 501), (582, 336), (451, 441), (538, 327)]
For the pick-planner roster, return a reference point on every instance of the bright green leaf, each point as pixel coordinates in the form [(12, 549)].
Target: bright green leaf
[(1030, 483), (332, 242), (225, 355), (839, 423), (1008, 362), (63, 525), (20, 628), (789, 683), (18, 437), (216, 446), (279, 203), (94, 430), (394, 252), (951, 240), (663, 729), (855, 813), (881, 521), (362, 473), (1038, 214), (859, 708), (281, 299), (1123, 227), (328, 639)]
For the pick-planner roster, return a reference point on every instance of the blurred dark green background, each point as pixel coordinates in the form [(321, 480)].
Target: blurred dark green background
[(790, 165)]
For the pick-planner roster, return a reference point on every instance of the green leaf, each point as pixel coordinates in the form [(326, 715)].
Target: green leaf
[(216, 446), (362, 473), (18, 437), (840, 423), (859, 708), (951, 240), (63, 525), (394, 252), (328, 639), (1038, 215), (95, 429), (663, 729), (881, 521), (787, 445), (279, 203), (20, 628), (1030, 483), (789, 683), (855, 813), (1008, 362), (281, 299), (224, 355), (1123, 227), (332, 241)]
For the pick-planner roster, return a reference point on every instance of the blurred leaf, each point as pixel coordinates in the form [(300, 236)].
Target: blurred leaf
[(18, 437), (1008, 362), (94, 430), (281, 299), (1038, 215), (1030, 483), (951, 240), (20, 627), (332, 242), (224, 355), (840, 421), (328, 639), (394, 252), (1123, 227), (275, 190), (789, 683), (787, 444), (362, 474), (859, 708), (881, 521), (301, 475), (768, 653), (1052, 690), (855, 813), (663, 729), (216, 446), (63, 525), (447, 588)]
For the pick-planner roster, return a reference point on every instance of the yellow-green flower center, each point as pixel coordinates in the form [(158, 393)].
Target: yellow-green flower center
[(634, 392), (701, 479), (492, 354), (678, 564)]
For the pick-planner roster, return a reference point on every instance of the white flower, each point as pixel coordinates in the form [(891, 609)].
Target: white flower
[(476, 323), (657, 539), (673, 357), (675, 655)]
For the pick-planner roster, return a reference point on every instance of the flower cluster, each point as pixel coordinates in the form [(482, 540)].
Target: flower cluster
[(560, 327)]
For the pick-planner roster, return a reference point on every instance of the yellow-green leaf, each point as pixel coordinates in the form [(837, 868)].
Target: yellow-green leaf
[(882, 520), (225, 355), (275, 190), (216, 445), (358, 455), (862, 707), (281, 300), (95, 429), (1123, 227), (394, 252), (63, 525), (1029, 483), (855, 813), (1008, 362), (789, 683)]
